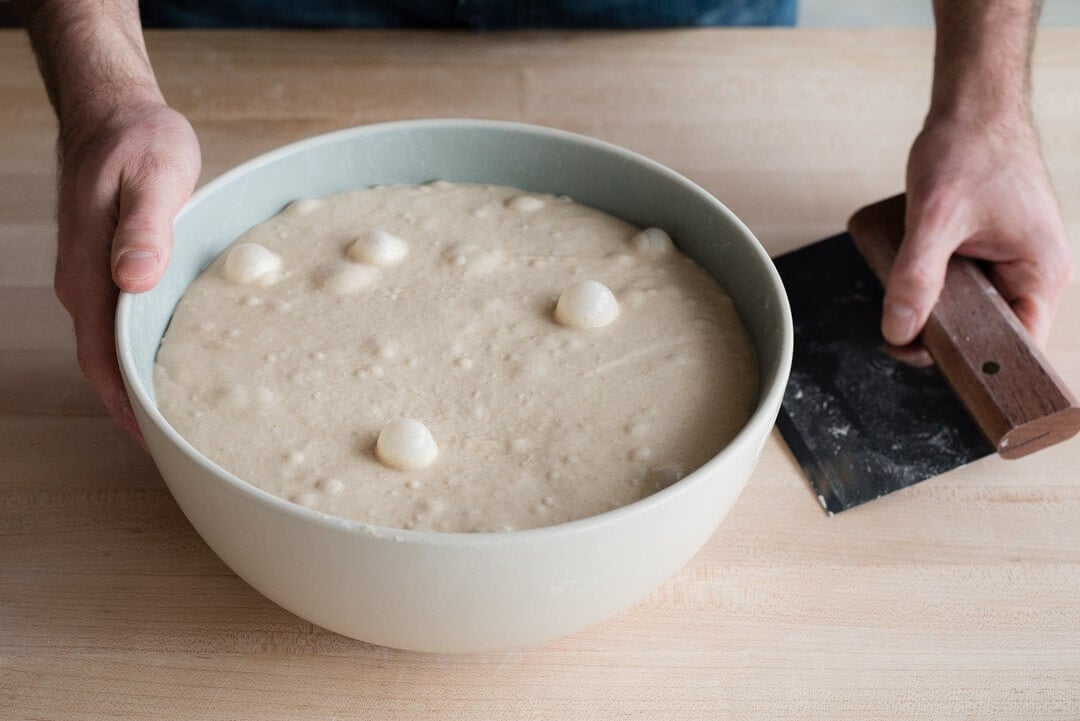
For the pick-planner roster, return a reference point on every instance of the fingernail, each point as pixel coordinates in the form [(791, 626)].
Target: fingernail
[(136, 264), (898, 323)]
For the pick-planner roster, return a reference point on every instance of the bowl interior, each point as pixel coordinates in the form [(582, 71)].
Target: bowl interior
[(528, 157)]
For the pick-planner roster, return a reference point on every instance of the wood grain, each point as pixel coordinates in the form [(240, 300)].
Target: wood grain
[(953, 599)]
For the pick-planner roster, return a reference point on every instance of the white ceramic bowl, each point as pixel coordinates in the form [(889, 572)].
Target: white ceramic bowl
[(456, 592)]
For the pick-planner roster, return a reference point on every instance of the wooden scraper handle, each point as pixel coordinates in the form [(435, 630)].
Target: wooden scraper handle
[(979, 345)]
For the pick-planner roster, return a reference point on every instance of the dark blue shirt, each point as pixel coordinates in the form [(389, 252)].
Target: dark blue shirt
[(471, 14)]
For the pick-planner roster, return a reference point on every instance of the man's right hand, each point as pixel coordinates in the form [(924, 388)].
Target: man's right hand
[(123, 178)]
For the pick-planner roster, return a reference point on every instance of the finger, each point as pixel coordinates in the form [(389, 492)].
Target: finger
[(142, 243), (85, 288), (1033, 288), (1036, 317), (912, 354), (1032, 293), (916, 279), (95, 343)]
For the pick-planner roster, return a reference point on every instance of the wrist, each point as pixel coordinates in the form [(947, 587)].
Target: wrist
[(1007, 122), (105, 101), (93, 59), (117, 79), (982, 61), (980, 101), (82, 119)]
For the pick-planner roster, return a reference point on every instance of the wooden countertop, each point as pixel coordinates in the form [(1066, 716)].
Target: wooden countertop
[(957, 598)]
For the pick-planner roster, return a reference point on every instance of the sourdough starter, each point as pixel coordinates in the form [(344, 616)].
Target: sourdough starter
[(284, 361)]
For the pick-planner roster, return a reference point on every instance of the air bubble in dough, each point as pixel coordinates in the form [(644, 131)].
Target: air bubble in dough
[(346, 278), (406, 444), (251, 263), (379, 248), (652, 243), (586, 304)]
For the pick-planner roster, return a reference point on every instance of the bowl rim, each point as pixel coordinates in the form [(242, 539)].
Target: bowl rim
[(762, 418)]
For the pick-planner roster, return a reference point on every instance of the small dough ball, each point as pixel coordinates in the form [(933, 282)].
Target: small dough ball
[(525, 203), (652, 243), (587, 304), (379, 248), (252, 264), (406, 444), (304, 206)]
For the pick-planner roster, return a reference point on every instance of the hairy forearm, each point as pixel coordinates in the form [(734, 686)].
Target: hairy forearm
[(983, 58), (92, 56)]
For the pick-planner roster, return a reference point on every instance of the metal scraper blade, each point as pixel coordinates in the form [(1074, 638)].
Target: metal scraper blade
[(861, 423)]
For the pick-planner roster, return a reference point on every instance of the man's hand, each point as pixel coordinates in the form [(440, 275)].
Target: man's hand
[(976, 181), (122, 181), (127, 164), (981, 191)]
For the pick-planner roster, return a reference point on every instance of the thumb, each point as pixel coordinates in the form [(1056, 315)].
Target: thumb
[(142, 243), (915, 281)]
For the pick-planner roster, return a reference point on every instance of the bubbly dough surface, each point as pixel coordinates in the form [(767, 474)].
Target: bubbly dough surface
[(437, 303)]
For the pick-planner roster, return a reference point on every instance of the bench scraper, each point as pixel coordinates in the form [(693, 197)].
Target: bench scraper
[(863, 424)]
